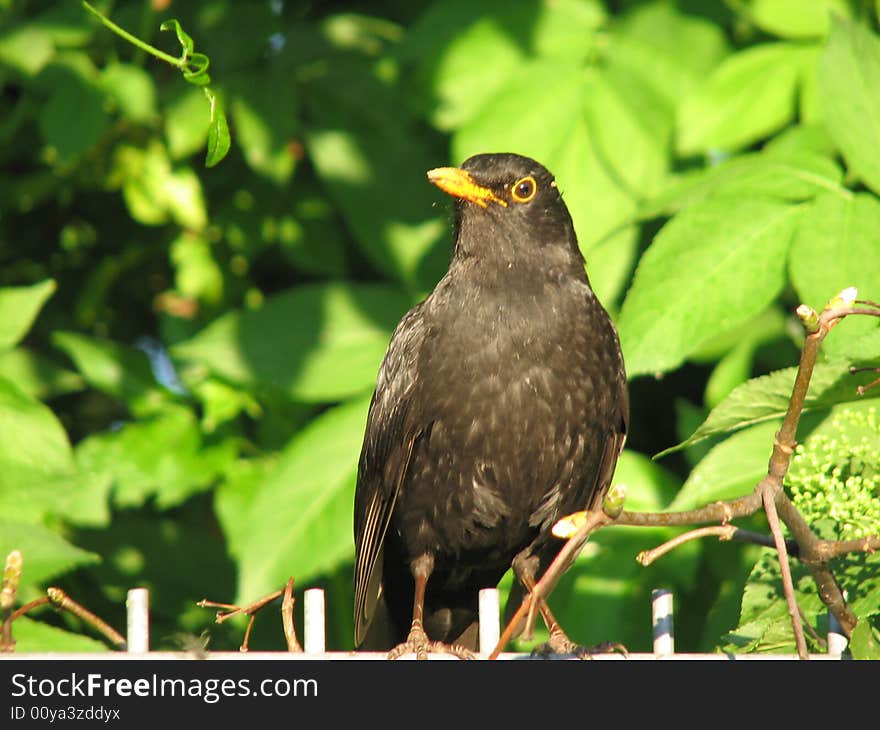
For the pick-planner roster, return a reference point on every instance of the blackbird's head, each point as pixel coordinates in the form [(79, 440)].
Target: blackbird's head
[(507, 205)]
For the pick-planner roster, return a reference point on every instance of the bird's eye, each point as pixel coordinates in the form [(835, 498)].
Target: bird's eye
[(524, 190)]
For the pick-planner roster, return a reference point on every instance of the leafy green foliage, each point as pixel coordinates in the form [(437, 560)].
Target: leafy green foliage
[(187, 349), (834, 476)]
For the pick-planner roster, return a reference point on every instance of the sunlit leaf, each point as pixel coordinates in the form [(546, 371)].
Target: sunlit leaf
[(735, 250), (45, 553), (19, 307), (302, 506), (313, 342), (820, 270), (848, 76)]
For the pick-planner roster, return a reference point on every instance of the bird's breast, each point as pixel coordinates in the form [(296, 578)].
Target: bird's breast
[(505, 390)]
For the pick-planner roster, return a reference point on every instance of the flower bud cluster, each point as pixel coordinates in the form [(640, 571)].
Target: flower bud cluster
[(836, 474)]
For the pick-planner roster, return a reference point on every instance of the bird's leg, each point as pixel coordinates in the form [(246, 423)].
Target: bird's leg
[(525, 568), (417, 642)]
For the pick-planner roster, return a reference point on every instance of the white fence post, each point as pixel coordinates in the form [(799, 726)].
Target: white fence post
[(661, 611), (314, 639), (490, 622), (137, 607)]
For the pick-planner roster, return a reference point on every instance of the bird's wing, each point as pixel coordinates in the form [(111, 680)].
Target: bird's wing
[(388, 444), (614, 441)]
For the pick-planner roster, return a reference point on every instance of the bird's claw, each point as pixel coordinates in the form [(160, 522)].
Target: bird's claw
[(419, 644), (559, 644)]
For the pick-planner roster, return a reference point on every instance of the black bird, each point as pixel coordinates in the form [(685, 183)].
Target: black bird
[(500, 406)]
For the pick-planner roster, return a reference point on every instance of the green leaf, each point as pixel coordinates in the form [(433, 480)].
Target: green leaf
[(310, 237), (75, 93), (848, 79), (132, 89), (34, 449), (447, 47), (144, 174), (732, 370), (836, 247), (372, 161), (610, 264), (119, 371), (162, 457), (748, 97), (38, 475), (218, 131), (34, 636), (222, 403), (316, 342), (649, 486), (863, 643), (19, 306), (735, 251), (602, 211), (631, 129), (672, 51), (796, 19), (771, 324), (302, 510), (37, 375), (197, 274), (75, 498), (265, 115), (565, 29), (539, 129), (187, 119), (26, 48), (767, 397), (235, 496), (730, 469), (154, 192), (812, 139), (793, 176), (46, 554), (185, 199), (765, 625)]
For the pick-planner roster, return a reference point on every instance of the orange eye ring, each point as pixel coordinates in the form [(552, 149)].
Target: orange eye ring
[(524, 189)]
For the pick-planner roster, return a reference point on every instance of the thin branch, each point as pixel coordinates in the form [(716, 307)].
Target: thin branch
[(724, 532), (794, 611), (58, 599), (11, 577), (561, 563), (722, 512), (287, 618), (231, 610)]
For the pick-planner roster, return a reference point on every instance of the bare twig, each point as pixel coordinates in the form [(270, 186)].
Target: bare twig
[(560, 564), (58, 599), (787, 582), (229, 610), (287, 618), (11, 578), (724, 532)]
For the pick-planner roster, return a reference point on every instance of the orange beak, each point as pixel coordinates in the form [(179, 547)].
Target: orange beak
[(460, 184)]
